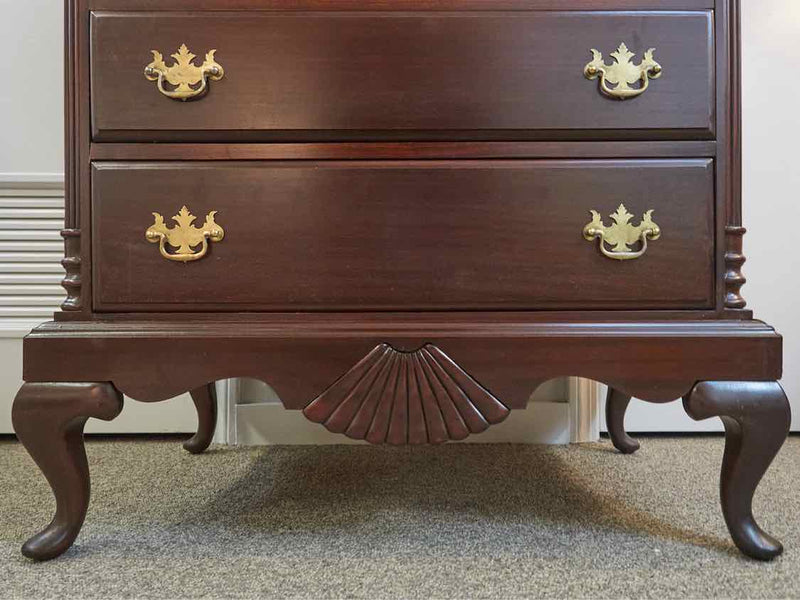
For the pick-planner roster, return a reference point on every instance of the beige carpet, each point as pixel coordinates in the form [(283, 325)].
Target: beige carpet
[(455, 521)]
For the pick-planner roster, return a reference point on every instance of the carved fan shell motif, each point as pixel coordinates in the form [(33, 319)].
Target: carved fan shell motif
[(406, 398)]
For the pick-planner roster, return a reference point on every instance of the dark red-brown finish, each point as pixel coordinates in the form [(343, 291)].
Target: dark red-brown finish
[(391, 6), (757, 416), (403, 235), (205, 403), (401, 150), (72, 264), (403, 75), (616, 405), (734, 259), (406, 398), (301, 355), (413, 191), (48, 419)]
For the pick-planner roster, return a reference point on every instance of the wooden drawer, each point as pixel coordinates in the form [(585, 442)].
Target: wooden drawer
[(400, 235), (297, 76)]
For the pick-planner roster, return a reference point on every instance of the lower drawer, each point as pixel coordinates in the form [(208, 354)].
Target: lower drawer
[(401, 235)]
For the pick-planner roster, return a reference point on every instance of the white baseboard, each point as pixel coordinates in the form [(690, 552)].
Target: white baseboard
[(647, 417), (269, 424), (32, 180), (584, 407)]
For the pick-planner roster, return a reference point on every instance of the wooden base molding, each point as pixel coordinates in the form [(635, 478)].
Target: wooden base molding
[(301, 356)]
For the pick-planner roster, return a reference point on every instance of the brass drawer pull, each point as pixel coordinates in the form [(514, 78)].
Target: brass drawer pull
[(622, 73), (184, 75), (621, 235), (184, 236)]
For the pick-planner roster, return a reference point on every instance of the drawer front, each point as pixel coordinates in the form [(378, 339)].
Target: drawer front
[(401, 75), (397, 235)]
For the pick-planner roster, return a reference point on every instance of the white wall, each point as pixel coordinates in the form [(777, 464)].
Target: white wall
[(771, 105), (31, 86), (31, 157), (259, 419), (771, 138)]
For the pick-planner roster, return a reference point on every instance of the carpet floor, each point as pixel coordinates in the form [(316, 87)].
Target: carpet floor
[(474, 521)]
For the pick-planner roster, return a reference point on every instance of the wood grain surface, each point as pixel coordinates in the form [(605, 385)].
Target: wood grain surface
[(404, 235), (438, 75)]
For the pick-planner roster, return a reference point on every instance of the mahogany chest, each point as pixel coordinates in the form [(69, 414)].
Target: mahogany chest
[(404, 216)]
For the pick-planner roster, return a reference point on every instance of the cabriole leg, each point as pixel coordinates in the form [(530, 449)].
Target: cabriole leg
[(616, 405), (756, 416), (49, 419), (205, 401)]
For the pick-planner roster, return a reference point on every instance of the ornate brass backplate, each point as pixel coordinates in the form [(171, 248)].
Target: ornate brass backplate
[(183, 76), (622, 73), (622, 234), (184, 236)]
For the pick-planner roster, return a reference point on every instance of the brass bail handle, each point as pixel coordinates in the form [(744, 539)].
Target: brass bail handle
[(623, 73), (622, 234), (186, 80), (184, 236)]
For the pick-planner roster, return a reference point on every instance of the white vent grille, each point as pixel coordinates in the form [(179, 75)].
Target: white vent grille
[(31, 249)]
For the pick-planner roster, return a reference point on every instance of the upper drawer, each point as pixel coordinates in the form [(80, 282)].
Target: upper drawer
[(402, 75)]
